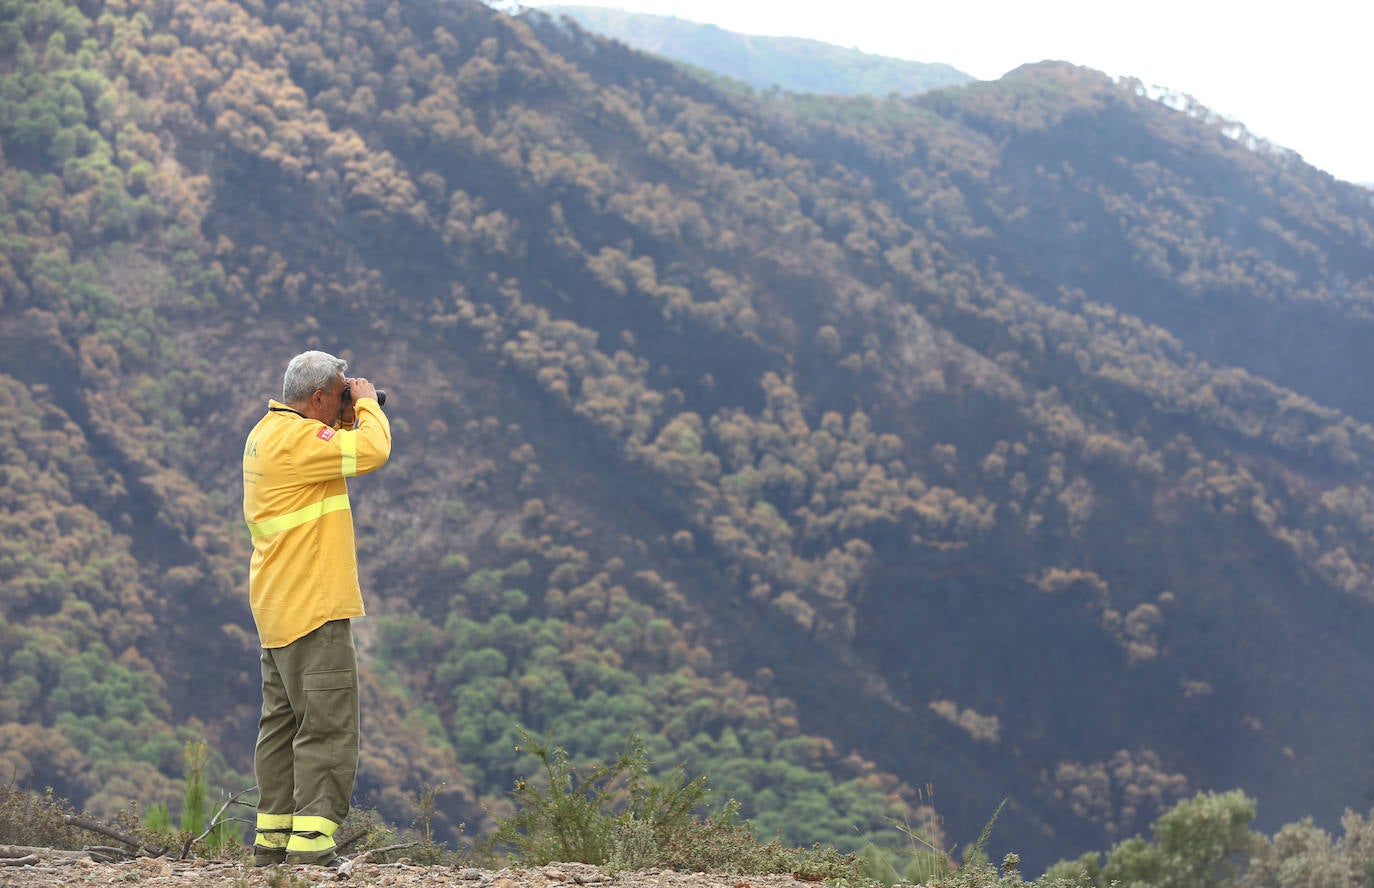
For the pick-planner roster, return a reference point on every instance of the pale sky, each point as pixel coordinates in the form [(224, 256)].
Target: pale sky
[(1296, 74)]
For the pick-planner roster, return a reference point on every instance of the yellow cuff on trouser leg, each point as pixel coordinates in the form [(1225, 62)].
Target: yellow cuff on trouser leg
[(312, 840), (274, 831)]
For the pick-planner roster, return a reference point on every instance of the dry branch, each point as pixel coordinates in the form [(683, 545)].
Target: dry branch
[(232, 800), (387, 849), (23, 855), (91, 825), (347, 868), (107, 853), (101, 829), (25, 850)]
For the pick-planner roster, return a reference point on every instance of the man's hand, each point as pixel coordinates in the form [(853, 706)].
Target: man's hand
[(361, 388), (357, 388)]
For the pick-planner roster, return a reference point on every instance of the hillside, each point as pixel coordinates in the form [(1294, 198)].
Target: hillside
[(793, 64), (1003, 442)]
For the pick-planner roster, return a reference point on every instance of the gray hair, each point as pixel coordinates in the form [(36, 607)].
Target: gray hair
[(308, 373)]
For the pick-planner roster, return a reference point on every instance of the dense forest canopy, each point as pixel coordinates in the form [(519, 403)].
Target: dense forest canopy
[(1003, 442)]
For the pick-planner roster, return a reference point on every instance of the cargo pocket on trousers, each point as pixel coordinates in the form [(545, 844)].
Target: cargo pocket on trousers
[(331, 704)]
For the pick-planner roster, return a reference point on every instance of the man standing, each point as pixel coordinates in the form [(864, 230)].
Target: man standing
[(303, 588)]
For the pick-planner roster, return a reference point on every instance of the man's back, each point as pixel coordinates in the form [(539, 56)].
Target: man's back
[(295, 499)]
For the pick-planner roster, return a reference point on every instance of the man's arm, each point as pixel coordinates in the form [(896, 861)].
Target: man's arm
[(343, 453), (373, 435)]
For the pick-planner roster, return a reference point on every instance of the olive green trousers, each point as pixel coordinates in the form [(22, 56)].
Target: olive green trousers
[(306, 758)]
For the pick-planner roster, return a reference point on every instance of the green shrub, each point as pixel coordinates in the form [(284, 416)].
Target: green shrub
[(984, 875), (33, 819), (1202, 842), (723, 843), (636, 846), (577, 818), (616, 815)]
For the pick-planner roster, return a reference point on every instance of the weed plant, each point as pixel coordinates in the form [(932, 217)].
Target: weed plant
[(724, 843), (36, 820), (573, 817), (616, 815), (925, 860), (365, 831), (984, 875)]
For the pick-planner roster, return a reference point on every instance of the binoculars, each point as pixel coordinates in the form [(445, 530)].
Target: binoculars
[(381, 396)]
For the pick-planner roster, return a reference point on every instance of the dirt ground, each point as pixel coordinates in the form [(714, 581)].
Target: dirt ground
[(156, 872)]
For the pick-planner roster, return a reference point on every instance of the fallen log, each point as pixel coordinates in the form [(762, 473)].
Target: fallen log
[(28, 855), (115, 834)]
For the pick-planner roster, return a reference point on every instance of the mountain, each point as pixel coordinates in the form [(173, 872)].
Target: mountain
[(790, 63), (882, 458)]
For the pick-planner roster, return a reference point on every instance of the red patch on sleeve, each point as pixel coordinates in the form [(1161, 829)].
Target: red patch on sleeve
[(325, 433)]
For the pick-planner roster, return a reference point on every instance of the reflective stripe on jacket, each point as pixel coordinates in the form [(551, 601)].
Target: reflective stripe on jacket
[(304, 571)]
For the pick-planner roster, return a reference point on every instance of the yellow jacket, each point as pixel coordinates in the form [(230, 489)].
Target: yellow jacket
[(304, 571)]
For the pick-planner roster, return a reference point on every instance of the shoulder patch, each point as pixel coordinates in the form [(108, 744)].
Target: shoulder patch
[(325, 433)]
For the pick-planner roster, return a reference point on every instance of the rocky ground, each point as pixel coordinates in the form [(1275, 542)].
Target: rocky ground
[(54, 871)]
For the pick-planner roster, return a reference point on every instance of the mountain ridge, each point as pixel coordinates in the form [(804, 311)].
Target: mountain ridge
[(795, 64)]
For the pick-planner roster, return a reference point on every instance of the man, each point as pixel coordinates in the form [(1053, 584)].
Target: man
[(303, 589)]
